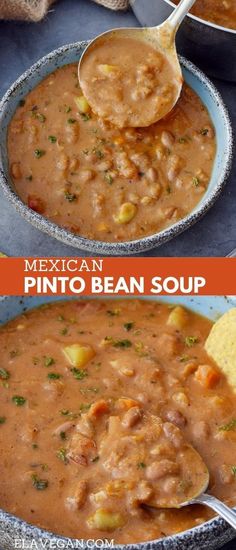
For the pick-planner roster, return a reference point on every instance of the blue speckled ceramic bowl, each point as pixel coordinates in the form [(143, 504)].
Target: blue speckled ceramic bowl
[(211, 535), (195, 78)]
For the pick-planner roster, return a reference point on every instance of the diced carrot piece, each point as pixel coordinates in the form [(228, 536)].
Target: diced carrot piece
[(207, 376), (98, 408), (36, 204), (118, 140), (125, 403)]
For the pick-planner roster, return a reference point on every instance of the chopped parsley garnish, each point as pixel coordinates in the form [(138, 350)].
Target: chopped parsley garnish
[(53, 139), (4, 374), (85, 407), (79, 374), (113, 312), (182, 140), (35, 446), (39, 484), (61, 454), (18, 400), (38, 153), (67, 109), (85, 116), (70, 197), (65, 412), (109, 179), (122, 344), (48, 361), (54, 376), (63, 435), (98, 153), (95, 459), (195, 181), (231, 426), (71, 120), (191, 340), (64, 331), (21, 102), (184, 358), (141, 465), (2, 419), (40, 117), (204, 131), (60, 318), (13, 353), (29, 178), (128, 326), (233, 470)]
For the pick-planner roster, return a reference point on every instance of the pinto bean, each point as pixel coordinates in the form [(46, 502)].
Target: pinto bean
[(173, 433), (16, 170), (169, 344), (78, 497), (86, 175), (173, 167), (62, 161), (132, 417), (81, 449), (160, 469), (201, 430), (151, 175), (225, 474), (72, 132), (177, 418), (167, 139)]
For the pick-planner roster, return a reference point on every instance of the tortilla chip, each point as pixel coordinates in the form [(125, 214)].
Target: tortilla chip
[(221, 345)]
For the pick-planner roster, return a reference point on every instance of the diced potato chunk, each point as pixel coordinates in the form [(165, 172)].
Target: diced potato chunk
[(105, 520), (107, 69), (178, 317), (126, 213), (82, 104), (78, 354)]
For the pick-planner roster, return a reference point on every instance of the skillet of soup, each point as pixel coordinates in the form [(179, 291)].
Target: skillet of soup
[(101, 182), (221, 12), (95, 397)]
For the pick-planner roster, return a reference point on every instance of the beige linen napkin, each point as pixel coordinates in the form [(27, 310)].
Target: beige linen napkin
[(34, 10)]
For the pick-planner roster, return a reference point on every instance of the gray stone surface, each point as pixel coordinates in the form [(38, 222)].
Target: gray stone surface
[(21, 44)]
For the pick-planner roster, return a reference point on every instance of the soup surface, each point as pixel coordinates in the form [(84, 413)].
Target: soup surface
[(128, 82), (96, 397), (101, 182), (221, 12)]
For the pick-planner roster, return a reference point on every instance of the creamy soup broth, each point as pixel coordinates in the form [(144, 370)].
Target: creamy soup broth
[(100, 182)]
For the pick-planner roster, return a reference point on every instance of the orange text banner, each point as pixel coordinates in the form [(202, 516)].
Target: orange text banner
[(117, 276)]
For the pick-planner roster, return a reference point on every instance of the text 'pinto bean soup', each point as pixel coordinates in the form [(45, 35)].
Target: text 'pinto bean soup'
[(96, 398), (102, 182)]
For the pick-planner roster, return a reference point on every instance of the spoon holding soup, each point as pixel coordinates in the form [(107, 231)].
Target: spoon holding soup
[(132, 77), (155, 456)]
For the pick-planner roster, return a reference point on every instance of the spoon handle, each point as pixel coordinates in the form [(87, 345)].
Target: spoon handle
[(222, 509), (179, 13)]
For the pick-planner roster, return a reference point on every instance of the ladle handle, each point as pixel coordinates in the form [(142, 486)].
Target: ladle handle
[(177, 16), (222, 509)]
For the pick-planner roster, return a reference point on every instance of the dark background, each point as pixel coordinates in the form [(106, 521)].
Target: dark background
[(21, 44)]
